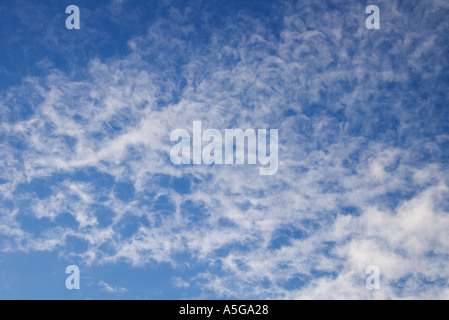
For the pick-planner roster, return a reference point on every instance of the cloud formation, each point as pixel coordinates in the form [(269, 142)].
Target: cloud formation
[(363, 134)]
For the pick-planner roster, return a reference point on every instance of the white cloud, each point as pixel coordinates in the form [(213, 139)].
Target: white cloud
[(111, 289), (336, 155)]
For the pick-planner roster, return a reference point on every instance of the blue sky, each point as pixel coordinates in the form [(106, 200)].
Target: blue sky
[(85, 171)]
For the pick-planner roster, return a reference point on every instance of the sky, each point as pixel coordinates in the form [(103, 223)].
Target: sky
[(363, 164)]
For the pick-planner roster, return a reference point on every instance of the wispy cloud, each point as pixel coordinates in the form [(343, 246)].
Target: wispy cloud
[(112, 289), (362, 174)]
